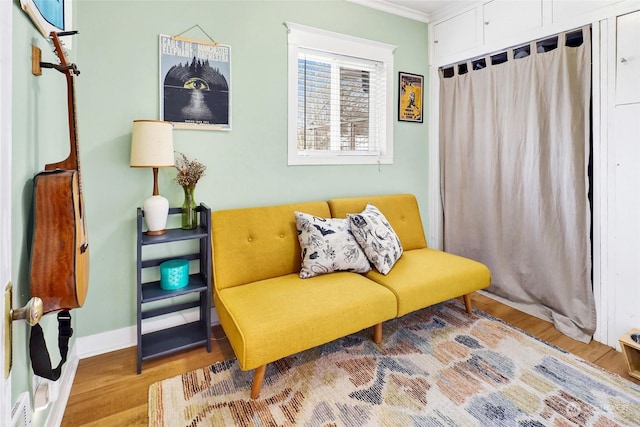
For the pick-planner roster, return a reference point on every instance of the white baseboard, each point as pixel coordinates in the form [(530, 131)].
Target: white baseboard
[(64, 384), (57, 410)]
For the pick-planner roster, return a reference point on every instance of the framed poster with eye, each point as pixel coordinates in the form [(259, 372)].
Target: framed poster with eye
[(410, 95), (195, 83)]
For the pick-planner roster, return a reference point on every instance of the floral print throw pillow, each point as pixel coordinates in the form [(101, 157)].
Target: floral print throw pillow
[(376, 237), (327, 246)]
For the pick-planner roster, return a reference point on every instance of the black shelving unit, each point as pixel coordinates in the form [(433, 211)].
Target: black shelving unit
[(188, 335)]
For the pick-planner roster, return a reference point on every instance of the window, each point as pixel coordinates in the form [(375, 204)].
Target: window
[(340, 99)]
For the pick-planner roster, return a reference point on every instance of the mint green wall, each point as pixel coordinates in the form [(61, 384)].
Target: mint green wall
[(117, 53)]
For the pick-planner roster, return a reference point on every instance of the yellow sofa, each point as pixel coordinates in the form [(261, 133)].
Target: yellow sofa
[(268, 312)]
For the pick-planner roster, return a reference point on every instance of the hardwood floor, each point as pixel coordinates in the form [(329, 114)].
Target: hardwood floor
[(107, 392)]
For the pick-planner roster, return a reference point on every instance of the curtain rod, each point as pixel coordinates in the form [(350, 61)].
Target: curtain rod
[(516, 46)]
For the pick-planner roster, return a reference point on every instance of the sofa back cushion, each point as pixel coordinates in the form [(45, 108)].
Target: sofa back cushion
[(252, 244), (401, 210)]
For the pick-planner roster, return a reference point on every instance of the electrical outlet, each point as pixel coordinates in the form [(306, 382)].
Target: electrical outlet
[(40, 392), (36, 392), (45, 391)]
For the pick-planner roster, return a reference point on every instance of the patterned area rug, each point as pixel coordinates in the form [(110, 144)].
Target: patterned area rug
[(435, 367)]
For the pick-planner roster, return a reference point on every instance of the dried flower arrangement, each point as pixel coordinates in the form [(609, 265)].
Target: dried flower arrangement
[(189, 171)]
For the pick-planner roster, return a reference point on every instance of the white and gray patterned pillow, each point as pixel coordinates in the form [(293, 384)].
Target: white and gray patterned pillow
[(327, 246), (376, 237)]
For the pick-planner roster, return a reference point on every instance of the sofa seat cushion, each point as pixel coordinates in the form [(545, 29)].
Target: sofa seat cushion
[(273, 318), (423, 277)]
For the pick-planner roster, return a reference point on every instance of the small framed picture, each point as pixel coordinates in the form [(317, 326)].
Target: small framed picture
[(410, 96)]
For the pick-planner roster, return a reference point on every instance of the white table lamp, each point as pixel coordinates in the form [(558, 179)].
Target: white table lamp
[(152, 147)]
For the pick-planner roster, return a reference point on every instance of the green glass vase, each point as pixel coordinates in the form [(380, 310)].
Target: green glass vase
[(189, 214)]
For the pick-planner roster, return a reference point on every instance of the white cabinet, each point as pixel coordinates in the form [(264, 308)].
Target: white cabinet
[(564, 10), (505, 18), (628, 59), (456, 34), (491, 25)]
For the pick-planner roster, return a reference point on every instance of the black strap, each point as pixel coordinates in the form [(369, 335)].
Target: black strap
[(40, 359)]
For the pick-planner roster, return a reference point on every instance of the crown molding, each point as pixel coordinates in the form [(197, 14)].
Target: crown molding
[(394, 9)]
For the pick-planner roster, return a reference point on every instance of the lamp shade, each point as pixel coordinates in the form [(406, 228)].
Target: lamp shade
[(152, 144)]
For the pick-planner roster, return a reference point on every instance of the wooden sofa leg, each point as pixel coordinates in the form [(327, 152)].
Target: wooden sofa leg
[(467, 303), (258, 376), (377, 333)]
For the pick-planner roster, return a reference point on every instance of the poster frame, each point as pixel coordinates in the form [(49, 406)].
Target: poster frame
[(181, 51), (410, 110)]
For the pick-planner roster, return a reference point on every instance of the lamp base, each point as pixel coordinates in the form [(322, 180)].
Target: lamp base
[(156, 211)]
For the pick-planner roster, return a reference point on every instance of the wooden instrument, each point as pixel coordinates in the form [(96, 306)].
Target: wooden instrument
[(60, 250)]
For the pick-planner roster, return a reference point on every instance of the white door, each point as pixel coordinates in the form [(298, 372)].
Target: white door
[(6, 22)]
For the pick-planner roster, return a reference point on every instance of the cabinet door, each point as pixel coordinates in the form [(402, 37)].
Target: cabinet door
[(625, 210), (628, 59), (455, 34), (505, 18), (563, 10)]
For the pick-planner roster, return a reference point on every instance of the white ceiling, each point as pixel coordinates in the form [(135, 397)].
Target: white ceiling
[(420, 10)]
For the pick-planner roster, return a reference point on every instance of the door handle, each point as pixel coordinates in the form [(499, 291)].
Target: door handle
[(31, 312)]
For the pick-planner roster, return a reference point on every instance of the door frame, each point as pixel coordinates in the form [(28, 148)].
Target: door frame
[(6, 26)]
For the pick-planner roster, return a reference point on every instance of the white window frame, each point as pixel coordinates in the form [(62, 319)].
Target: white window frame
[(301, 36)]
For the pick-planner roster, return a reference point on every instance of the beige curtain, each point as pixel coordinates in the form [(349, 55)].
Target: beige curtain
[(514, 151)]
